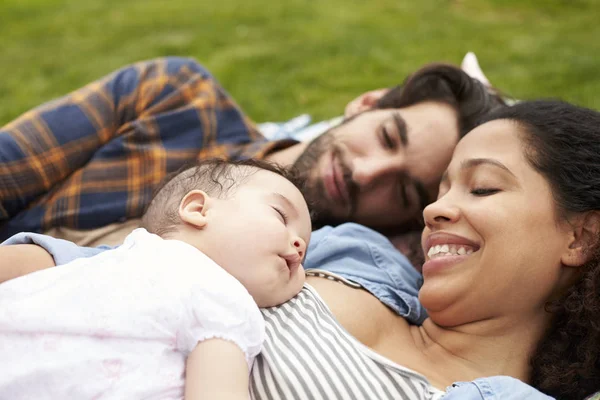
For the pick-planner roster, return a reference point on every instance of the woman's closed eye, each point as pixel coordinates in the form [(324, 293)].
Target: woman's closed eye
[(282, 214)]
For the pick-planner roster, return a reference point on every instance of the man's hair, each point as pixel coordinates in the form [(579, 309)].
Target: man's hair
[(216, 177), (446, 84)]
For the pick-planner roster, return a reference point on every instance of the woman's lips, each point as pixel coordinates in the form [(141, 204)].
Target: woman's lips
[(446, 238), (434, 265), (450, 250)]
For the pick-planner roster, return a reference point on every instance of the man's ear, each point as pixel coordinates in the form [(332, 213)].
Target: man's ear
[(193, 208), (364, 102), (584, 239)]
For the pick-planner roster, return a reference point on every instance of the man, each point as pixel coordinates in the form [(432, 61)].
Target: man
[(93, 158)]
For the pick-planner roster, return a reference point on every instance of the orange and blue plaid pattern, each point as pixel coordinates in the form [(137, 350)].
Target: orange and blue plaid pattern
[(95, 156)]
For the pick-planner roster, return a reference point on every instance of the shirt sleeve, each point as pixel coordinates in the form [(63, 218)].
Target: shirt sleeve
[(48, 143), (219, 306), (94, 157), (62, 251), (494, 388), (368, 258)]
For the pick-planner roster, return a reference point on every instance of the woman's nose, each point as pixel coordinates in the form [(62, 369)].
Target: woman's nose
[(440, 211)]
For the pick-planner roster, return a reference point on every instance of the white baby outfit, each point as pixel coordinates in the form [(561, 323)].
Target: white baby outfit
[(121, 324)]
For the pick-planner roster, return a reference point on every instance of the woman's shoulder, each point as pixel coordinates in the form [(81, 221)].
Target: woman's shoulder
[(308, 352), (364, 256)]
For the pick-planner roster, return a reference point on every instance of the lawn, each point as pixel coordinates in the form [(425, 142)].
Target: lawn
[(280, 58)]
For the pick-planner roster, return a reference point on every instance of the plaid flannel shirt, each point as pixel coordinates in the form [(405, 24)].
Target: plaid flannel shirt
[(95, 156)]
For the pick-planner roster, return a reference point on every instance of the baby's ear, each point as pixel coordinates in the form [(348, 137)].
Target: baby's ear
[(193, 207), (585, 237)]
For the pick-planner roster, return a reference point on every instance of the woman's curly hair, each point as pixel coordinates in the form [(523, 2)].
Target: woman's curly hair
[(567, 361), (562, 142)]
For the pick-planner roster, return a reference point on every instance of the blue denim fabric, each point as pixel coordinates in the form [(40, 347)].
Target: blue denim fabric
[(366, 257), (495, 388), (62, 251)]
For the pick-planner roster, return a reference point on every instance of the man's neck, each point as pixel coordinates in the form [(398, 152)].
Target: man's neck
[(486, 348), (286, 157)]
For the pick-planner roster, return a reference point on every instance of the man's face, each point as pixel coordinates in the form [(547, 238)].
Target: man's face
[(380, 168)]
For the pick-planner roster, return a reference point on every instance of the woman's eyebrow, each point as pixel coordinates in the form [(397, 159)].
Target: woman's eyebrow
[(475, 162)]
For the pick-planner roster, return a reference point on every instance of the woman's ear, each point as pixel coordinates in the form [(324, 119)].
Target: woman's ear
[(584, 239), (193, 208)]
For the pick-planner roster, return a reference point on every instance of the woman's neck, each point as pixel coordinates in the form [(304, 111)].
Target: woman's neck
[(498, 346)]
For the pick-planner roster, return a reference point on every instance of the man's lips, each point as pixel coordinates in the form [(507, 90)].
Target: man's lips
[(335, 184)]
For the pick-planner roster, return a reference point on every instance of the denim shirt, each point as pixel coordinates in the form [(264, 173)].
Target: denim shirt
[(361, 255), (366, 257)]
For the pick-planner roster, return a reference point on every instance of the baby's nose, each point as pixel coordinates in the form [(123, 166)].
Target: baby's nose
[(300, 246)]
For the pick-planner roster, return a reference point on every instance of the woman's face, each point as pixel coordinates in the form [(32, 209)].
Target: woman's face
[(493, 240)]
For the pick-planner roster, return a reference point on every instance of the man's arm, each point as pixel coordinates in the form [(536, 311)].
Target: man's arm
[(216, 369), (22, 259), (47, 145)]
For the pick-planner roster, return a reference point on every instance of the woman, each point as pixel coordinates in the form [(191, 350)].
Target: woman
[(511, 279)]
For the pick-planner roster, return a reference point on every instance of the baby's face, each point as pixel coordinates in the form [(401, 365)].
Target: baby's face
[(260, 235)]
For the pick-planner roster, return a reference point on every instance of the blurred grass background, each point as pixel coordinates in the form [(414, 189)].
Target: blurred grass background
[(280, 58)]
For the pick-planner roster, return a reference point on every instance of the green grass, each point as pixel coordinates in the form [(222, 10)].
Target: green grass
[(280, 58)]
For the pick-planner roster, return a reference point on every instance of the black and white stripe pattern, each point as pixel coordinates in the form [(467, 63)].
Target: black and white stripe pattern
[(308, 355)]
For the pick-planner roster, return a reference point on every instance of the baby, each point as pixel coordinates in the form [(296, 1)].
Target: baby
[(171, 312)]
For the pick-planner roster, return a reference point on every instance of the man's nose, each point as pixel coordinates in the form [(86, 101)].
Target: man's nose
[(367, 172)]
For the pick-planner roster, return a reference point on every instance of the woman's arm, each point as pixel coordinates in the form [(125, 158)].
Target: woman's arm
[(22, 259), (216, 369)]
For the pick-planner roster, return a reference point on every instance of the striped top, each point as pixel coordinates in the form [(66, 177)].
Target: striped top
[(309, 355)]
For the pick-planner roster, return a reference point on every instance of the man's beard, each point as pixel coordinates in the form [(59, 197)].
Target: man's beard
[(314, 190)]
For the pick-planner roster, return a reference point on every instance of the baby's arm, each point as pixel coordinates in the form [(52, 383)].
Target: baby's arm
[(21, 259), (221, 330), (216, 369)]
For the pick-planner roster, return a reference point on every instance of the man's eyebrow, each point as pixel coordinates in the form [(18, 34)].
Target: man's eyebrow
[(400, 128), (287, 202), (475, 162)]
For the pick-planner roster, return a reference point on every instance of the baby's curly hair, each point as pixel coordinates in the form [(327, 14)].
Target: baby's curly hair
[(215, 176), (562, 143)]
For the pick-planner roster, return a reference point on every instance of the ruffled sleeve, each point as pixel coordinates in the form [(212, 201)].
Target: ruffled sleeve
[(219, 306)]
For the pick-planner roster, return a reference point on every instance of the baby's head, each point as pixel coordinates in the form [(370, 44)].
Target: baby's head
[(248, 216)]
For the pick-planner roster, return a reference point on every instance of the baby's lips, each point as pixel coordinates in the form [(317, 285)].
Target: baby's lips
[(293, 260)]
